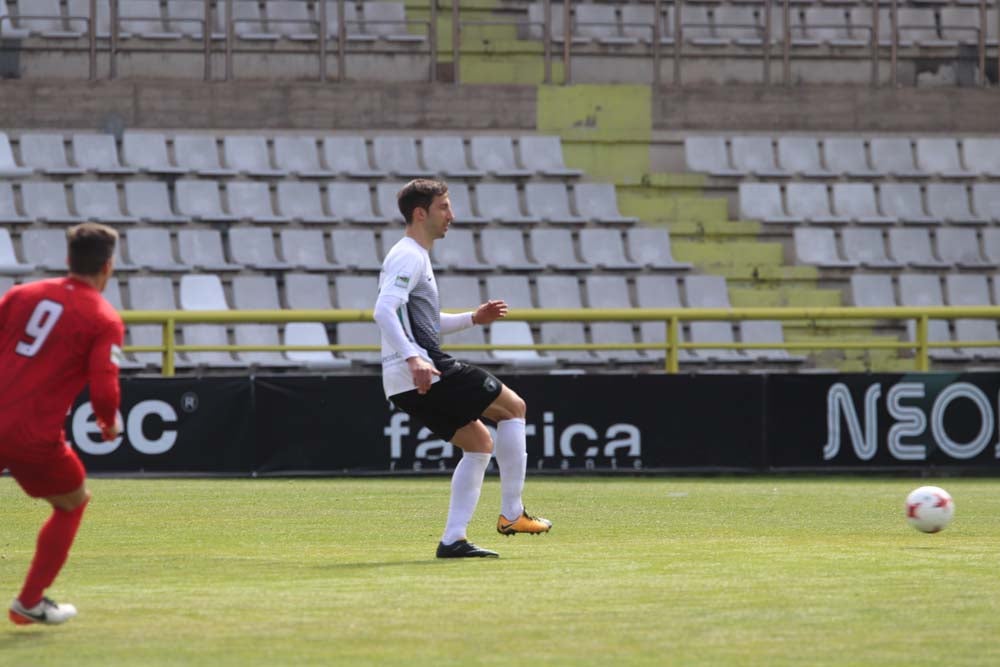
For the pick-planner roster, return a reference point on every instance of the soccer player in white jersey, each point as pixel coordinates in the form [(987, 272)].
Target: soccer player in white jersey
[(446, 395)]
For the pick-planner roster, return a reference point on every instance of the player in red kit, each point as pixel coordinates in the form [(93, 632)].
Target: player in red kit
[(56, 336)]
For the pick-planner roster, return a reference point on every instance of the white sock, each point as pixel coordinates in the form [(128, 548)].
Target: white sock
[(512, 459), (466, 483)]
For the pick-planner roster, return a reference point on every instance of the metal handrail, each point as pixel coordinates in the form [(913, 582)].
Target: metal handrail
[(671, 317)]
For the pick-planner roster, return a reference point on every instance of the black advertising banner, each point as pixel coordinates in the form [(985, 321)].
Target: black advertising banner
[(575, 422), (643, 422), (171, 425), (928, 420), (599, 423), (313, 424)]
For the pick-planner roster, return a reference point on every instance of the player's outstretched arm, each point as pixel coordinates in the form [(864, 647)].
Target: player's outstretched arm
[(490, 312)]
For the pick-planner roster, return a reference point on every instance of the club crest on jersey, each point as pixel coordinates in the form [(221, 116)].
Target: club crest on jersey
[(116, 355), (402, 281)]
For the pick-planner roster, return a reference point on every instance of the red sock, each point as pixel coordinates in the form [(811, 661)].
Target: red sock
[(54, 541)]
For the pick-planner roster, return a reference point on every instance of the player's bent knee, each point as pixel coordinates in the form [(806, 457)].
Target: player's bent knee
[(520, 407), (69, 502), (473, 438), (508, 405)]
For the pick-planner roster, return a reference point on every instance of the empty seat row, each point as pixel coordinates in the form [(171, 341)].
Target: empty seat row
[(300, 201), (877, 291), (846, 156), (312, 292), (300, 156), (952, 248), (862, 203), (744, 25), (268, 21), (260, 249)]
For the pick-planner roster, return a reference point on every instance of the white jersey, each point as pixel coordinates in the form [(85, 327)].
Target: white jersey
[(407, 275)]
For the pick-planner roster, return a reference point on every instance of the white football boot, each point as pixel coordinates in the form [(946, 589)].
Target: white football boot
[(46, 612)]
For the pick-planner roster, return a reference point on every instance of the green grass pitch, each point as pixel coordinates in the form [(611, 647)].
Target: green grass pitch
[(654, 571)]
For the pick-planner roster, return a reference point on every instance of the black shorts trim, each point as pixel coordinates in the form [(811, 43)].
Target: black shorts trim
[(458, 398)]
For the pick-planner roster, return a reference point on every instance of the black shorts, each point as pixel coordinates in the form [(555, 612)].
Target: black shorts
[(458, 398)]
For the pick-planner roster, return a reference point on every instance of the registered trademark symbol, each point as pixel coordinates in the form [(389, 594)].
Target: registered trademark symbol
[(189, 402)]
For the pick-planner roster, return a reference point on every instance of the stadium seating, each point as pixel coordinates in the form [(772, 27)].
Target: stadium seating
[(292, 20), (10, 265), (461, 205), (202, 249), (397, 156), (866, 248), (151, 293), (270, 206), (767, 332), (348, 156), (504, 250), (251, 201), (597, 202), (147, 152), (46, 153), (255, 248), (650, 247), (150, 202), (150, 248), (445, 155), (710, 292), (459, 253), (554, 248), (495, 155), (299, 156), (355, 250), (46, 202), (543, 155), (562, 292), (462, 293), (98, 201), (604, 249), (500, 202), (972, 290), (658, 291), (98, 153), (925, 290), (201, 201), (305, 249), (204, 292), (199, 153), (302, 202), (604, 291)]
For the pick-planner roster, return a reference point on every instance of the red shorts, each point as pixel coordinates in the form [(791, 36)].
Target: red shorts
[(56, 475)]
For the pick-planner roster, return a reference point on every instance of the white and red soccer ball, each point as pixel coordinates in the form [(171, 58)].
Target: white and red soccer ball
[(929, 509)]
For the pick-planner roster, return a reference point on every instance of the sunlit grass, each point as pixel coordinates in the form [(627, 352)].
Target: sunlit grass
[(755, 571)]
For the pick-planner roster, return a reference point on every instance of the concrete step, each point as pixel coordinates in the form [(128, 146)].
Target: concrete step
[(721, 230), (651, 205), (713, 254), (767, 275), (783, 296)]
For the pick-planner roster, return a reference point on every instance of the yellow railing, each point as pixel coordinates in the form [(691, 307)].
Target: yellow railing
[(671, 317)]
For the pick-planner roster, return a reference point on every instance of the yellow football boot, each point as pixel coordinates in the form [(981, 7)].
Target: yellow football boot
[(523, 524)]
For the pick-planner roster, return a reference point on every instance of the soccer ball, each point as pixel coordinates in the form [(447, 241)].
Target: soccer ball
[(929, 509)]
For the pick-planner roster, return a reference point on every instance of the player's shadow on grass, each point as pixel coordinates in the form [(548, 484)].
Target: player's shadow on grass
[(378, 565), (15, 637)]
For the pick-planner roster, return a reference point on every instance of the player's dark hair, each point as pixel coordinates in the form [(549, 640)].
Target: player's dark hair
[(90, 246), (419, 193)]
